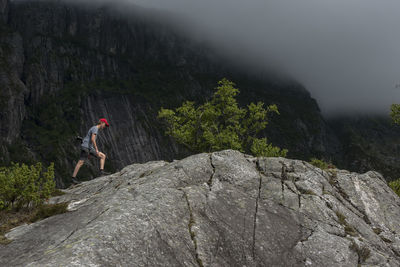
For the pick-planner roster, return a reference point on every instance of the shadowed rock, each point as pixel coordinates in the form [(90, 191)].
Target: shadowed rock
[(4, 6), (218, 209)]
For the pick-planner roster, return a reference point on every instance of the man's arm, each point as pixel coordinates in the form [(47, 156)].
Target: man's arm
[(94, 142)]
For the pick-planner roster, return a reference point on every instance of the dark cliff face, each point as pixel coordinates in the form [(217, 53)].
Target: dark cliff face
[(62, 67), (369, 143), (4, 6)]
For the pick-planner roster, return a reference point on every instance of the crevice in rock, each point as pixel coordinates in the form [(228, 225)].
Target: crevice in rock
[(256, 209), (314, 170), (304, 239), (118, 185), (290, 189), (102, 187), (65, 239), (363, 252), (210, 181), (284, 177), (275, 176), (342, 197), (298, 194), (337, 234), (284, 171), (396, 252), (308, 236), (346, 197), (101, 213), (73, 232), (312, 218), (299, 197), (191, 232)]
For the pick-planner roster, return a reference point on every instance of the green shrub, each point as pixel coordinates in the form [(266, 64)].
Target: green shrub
[(347, 227), (395, 113), (395, 185), (25, 186), (221, 124), (57, 192), (45, 211), (260, 148), (322, 164)]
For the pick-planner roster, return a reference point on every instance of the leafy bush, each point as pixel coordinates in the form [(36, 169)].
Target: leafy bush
[(221, 124), (395, 185), (395, 113), (322, 164), (25, 186)]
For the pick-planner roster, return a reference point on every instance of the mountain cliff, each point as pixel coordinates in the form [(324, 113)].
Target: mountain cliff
[(63, 66), (368, 143), (218, 209)]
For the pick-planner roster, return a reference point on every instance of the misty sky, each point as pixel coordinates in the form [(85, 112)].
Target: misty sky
[(345, 52)]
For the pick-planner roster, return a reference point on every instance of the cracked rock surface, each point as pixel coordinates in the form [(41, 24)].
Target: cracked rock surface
[(218, 209)]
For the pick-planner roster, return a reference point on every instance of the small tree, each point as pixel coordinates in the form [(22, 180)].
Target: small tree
[(395, 186), (221, 124), (25, 186), (323, 165), (395, 113)]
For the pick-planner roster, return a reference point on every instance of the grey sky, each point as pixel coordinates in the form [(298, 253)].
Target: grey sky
[(345, 52)]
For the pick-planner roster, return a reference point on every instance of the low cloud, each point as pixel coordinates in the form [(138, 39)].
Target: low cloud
[(345, 52)]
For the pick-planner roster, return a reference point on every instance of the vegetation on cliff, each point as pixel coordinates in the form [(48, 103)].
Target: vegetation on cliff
[(23, 191), (25, 186), (395, 113), (323, 165), (395, 185), (221, 124)]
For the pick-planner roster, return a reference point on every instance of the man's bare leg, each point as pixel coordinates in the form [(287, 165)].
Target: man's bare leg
[(77, 167), (102, 160)]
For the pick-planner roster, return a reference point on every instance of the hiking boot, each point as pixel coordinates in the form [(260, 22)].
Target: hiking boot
[(103, 173), (74, 181)]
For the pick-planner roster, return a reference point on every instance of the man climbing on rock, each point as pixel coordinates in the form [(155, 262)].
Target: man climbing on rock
[(89, 147)]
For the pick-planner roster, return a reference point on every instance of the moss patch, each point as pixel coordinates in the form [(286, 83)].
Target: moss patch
[(362, 252), (14, 218), (48, 210), (377, 230), (384, 239), (306, 191), (347, 227), (57, 193)]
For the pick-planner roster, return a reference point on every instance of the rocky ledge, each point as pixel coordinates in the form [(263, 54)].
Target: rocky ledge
[(218, 209)]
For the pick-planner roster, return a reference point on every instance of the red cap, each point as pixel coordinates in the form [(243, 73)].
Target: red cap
[(105, 121)]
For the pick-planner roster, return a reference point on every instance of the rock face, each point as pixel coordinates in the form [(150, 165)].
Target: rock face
[(369, 143), (219, 209), (62, 66), (4, 5)]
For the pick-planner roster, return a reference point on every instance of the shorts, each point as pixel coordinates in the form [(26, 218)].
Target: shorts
[(86, 153)]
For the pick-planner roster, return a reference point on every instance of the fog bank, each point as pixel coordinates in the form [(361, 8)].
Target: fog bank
[(345, 52)]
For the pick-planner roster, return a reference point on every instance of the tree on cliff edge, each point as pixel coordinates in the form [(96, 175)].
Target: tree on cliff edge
[(221, 124), (395, 114)]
